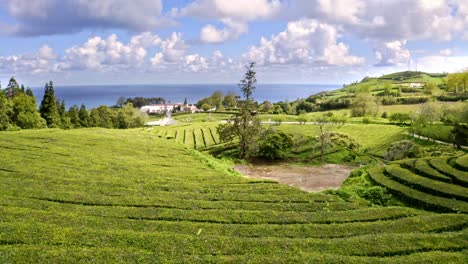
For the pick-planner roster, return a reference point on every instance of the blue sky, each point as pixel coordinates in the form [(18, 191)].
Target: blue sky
[(209, 41)]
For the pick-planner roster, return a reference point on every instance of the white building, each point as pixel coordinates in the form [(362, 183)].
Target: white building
[(416, 85), (160, 108)]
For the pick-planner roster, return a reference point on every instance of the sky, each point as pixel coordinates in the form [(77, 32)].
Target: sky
[(88, 42)]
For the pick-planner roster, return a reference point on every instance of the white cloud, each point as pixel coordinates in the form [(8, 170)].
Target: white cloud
[(46, 17), (446, 52), (234, 15), (239, 10), (101, 54), (443, 63), (392, 53), (388, 20), (232, 30), (172, 50), (42, 61), (305, 41)]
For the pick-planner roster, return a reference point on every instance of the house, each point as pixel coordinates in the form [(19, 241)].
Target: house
[(161, 108), (416, 85)]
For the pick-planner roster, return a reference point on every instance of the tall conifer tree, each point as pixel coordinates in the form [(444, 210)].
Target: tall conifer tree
[(48, 109)]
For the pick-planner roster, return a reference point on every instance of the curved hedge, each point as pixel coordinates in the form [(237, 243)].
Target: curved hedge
[(425, 184), (462, 163), (459, 177), (415, 197)]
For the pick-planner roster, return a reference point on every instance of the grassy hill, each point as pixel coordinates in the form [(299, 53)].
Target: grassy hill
[(400, 79), (97, 195)]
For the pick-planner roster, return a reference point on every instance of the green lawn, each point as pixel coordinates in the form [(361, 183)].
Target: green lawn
[(97, 195)]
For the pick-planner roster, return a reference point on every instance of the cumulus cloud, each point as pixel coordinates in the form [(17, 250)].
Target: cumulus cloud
[(234, 15), (232, 30), (305, 41), (47, 17), (42, 61), (239, 10), (446, 52), (443, 63), (392, 53), (388, 20), (98, 53)]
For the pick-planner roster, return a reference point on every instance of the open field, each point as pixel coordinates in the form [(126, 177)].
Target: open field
[(97, 195)]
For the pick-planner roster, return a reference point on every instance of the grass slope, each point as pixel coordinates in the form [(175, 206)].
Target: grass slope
[(96, 195)]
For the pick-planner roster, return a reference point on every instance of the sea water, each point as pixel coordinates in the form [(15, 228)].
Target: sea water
[(96, 95)]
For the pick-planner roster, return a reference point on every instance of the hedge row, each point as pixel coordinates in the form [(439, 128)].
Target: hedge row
[(178, 245), (416, 224), (415, 197), (76, 254), (427, 185), (461, 163), (184, 204), (226, 216), (420, 167), (459, 177)]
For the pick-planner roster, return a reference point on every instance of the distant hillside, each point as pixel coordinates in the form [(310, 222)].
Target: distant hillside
[(402, 79)]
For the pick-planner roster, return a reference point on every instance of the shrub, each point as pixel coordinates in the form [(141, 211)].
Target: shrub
[(275, 145), (376, 195), (401, 150)]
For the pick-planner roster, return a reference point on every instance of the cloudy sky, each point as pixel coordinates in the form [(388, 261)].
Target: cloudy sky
[(209, 41)]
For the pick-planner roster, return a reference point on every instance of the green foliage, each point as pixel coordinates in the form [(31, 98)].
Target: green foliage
[(415, 197), (85, 120), (247, 84), (400, 118), (275, 145), (376, 195), (5, 109), (48, 109), (401, 150), (134, 203), (24, 113), (364, 104)]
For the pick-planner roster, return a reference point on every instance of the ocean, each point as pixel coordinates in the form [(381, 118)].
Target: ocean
[(96, 95)]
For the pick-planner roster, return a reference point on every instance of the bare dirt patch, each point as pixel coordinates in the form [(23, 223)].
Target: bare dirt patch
[(307, 178)]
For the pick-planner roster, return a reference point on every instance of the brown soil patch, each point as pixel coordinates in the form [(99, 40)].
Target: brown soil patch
[(307, 178)]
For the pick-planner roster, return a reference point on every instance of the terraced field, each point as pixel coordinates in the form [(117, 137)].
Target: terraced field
[(96, 195), (435, 184), (375, 138), (198, 136)]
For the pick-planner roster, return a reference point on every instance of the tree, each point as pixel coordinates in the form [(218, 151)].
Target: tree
[(121, 101), (230, 100), (388, 88), (457, 82), (48, 108), (430, 88), (12, 88), (325, 127), (460, 132), (364, 105), (73, 113), (84, 117), (64, 118), (4, 111), (275, 145), (24, 113), (244, 126), (247, 84), (400, 118)]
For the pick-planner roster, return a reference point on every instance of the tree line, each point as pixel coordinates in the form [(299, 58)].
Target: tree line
[(18, 110)]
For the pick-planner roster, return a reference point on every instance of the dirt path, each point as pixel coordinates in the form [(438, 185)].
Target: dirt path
[(307, 178)]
